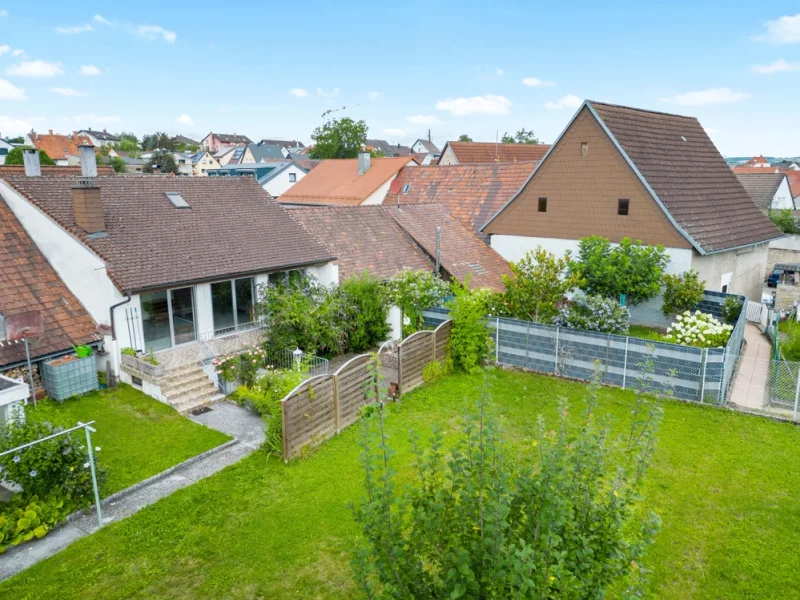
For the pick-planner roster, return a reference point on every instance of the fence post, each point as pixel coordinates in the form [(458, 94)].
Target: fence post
[(722, 377), (283, 431), (527, 346), (555, 366), (497, 341), (704, 362), (796, 395), (87, 429), (625, 364), (336, 402)]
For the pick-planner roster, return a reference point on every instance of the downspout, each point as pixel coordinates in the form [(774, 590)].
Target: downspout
[(111, 310)]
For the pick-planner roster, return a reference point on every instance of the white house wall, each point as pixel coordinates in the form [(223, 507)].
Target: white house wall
[(782, 200), (746, 268), (278, 185), (448, 157)]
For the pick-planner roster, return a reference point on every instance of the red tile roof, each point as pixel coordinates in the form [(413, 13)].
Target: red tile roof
[(472, 193), (336, 182), (29, 282), (233, 227), (488, 152), (58, 147), (65, 171)]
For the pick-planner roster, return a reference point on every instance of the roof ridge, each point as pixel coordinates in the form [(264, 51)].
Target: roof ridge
[(644, 110)]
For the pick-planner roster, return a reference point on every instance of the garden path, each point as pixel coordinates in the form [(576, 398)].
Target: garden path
[(751, 381)]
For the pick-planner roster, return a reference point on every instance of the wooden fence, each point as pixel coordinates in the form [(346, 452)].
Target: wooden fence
[(418, 350)]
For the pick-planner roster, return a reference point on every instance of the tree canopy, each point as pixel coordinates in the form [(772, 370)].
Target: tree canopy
[(163, 160), (128, 142), (464, 138), (157, 141), (14, 156), (339, 138), (523, 136)]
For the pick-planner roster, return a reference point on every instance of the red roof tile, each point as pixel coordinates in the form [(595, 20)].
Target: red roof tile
[(488, 152), (58, 147)]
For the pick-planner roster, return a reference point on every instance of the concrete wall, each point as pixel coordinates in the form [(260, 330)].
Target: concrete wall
[(783, 250), (280, 183), (743, 270), (783, 197), (786, 295), (448, 157)]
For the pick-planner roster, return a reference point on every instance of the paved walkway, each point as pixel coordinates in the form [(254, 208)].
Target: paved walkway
[(751, 381), (244, 425)]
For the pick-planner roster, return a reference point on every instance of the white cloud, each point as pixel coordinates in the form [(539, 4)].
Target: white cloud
[(103, 21), (66, 91), (423, 119), (35, 69), (489, 104), (75, 29), (299, 92), (154, 32), (5, 48), (3, 13), (93, 118), (568, 101), (785, 30), (394, 131), (500, 72), (12, 127), (374, 95), (18, 52), (704, 97), (324, 94), (185, 120), (9, 91), (779, 66), (90, 71), (536, 82)]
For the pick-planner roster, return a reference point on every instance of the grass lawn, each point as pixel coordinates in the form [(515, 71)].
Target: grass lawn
[(648, 333), (725, 485), (138, 436)]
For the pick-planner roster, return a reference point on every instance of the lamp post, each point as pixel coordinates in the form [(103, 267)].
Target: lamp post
[(297, 354)]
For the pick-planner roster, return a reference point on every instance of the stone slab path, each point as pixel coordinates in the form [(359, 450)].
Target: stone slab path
[(242, 424), (751, 381)]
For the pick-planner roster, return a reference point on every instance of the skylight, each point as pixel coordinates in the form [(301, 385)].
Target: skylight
[(177, 200)]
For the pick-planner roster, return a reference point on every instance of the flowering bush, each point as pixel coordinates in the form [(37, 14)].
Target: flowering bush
[(595, 313), (241, 366), (699, 329), (413, 292)]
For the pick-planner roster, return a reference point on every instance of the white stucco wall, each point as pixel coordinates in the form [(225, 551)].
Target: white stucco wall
[(280, 183), (744, 269), (783, 196), (327, 274), (448, 157)]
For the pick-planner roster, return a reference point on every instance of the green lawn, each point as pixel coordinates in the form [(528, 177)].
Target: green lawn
[(138, 436), (648, 333), (725, 485)]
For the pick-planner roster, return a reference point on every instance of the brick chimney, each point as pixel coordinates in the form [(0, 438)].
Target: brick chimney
[(30, 158), (363, 162), (87, 202)]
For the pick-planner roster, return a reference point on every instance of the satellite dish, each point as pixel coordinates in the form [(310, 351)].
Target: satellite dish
[(395, 186)]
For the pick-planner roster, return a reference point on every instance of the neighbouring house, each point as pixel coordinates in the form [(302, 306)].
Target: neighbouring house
[(472, 193), (425, 146), (347, 181), (275, 177), (171, 265), (5, 148), (133, 164), (63, 149), (261, 152), (792, 175), (387, 149), (99, 138), (758, 161), (283, 143), (790, 164), (185, 163), (214, 142), (226, 155), (51, 171), (425, 158), (624, 172), (203, 162), (770, 191), (465, 153), (182, 139)]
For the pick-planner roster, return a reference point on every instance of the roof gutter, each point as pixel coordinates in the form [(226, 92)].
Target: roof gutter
[(111, 311)]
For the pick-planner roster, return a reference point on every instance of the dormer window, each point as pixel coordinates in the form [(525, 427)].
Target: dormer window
[(177, 200)]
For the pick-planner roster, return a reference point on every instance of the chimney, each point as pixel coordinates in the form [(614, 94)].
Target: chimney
[(30, 158), (88, 160), (87, 202), (363, 162), (50, 132)]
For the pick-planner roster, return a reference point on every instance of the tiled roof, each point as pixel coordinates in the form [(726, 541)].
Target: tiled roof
[(429, 146), (28, 282), (472, 193), (49, 170), (363, 238), (233, 138), (232, 227), (58, 147), (182, 139), (100, 135), (388, 149), (287, 143), (462, 252), (792, 175), (488, 152), (761, 186), (682, 166), (264, 151), (337, 182)]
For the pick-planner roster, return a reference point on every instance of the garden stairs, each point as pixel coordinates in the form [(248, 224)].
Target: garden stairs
[(188, 388)]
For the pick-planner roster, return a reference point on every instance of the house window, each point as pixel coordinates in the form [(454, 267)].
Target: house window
[(292, 177), (168, 318), (622, 207), (406, 187), (232, 304), (725, 289), (584, 148), (542, 204)]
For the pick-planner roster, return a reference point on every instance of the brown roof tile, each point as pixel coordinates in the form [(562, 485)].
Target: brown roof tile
[(28, 282), (761, 186), (232, 227), (488, 152), (58, 147), (66, 171), (337, 182)]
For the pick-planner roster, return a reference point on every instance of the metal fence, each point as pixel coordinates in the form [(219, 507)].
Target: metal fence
[(698, 374)]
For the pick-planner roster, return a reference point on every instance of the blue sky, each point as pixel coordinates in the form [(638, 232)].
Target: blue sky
[(271, 69)]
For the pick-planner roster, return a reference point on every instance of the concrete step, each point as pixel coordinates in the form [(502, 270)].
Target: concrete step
[(180, 382), (191, 389), (194, 403), (183, 370)]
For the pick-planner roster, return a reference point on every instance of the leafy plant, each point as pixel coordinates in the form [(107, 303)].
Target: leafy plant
[(151, 358), (367, 324), (339, 138), (682, 292), (26, 517), (432, 372), (563, 520), (128, 351), (414, 291), (595, 313), (540, 280), (731, 309), (14, 157), (470, 341), (699, 329), (631, 268), (783, 219)]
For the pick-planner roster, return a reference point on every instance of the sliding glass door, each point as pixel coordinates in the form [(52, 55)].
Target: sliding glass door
[(232, 304), (168, 318)]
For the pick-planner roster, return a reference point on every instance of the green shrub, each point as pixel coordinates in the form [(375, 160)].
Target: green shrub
[(367, 324), (14, 157), (790, 348), (682, 292), (595, 313), (470, 340), (432, 372), (27, 516), (413, 292), (128, 351), (699, 329), (784, 220), (731, 309)]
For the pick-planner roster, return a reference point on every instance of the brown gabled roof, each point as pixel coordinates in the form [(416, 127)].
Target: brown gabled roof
[(28, 282), (363, 238), (689, 176), (232, 138), (66, 171), (336, 182), (488, 152), (792, 175), (462, 252), (233, 227), (59, 147), (761, 187), (472, 193)]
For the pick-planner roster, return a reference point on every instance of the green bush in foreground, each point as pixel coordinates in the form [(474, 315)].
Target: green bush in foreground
[(27, 517)]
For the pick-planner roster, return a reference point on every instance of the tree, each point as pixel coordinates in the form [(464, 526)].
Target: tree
[(163, 161), (540, 280), (157, 141), (464, 138), (470, 342), (414, 291), (128, 142), (16, 140), (682, 292), (339, 138), (14, 157), (632, 268), (522, 136), (556, 516), (784, 220)]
